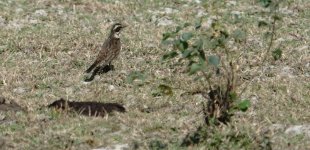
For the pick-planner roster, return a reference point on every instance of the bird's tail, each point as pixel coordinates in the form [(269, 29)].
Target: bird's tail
[(91, 67)]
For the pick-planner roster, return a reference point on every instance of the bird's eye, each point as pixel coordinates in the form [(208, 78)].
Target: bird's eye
[(117, 28)]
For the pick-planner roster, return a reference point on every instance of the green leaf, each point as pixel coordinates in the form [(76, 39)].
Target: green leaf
[(267, 34), (162, 90), (186, 36), (187, 53), (202, 55), (233, 96), (214, 60), (186, 25), (198, 78), (195, 68), (165, 89), (276, 17), (135, 75), (198, 23), (167, 42), (198, 44), (262, 23), (244, 105), (178, 28), (265, 3), (166, 36), (224, 34), (157, 144), (222, 39), (169, 55), (181, 45), (239, 35), (277, 54)]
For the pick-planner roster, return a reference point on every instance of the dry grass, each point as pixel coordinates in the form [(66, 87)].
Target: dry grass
[(43, 57)]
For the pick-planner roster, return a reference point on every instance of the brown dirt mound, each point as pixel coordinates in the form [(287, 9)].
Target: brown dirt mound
[(88, 108)]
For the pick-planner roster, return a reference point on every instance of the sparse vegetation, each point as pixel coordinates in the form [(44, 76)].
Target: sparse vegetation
[(256, 51)]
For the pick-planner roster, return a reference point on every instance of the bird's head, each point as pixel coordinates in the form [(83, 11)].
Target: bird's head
[(116, 29)]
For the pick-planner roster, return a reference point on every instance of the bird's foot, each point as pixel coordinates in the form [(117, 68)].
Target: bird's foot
[(105, 69)]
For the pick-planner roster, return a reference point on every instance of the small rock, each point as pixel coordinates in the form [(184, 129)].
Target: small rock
[(303, 48), (277, 127), (124, 72), (19, 90), (41, 117), (197, 1), (170, 10), (163, 11), (287, 72), (279, 40), (18, 10), (286, 11), (15, 24), (208, 23), (254, 99), (2, 21), (131, 99), (60, 11), (164, 22), (2, 117), (298, 129), (111, 87), (199, 99), (114, 147), (201, 13), (151, 45), (231, 3), (307, 65), (237, 13), (33, 21), (85, 82), (40, 13)]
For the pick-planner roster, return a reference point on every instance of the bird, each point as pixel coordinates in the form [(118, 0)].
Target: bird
[(110, 49)]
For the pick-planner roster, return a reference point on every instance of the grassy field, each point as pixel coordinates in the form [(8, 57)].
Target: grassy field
[(46, 46)]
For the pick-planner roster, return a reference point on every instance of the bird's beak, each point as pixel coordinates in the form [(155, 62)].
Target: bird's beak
[(124, 26)]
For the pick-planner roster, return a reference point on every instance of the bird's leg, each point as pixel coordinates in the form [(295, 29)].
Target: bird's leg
[(97, 70), (111, 67), (105, 69)]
